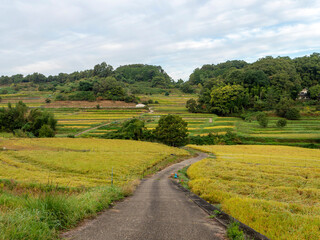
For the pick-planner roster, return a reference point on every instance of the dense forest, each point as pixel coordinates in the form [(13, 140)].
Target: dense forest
[(267, 84)]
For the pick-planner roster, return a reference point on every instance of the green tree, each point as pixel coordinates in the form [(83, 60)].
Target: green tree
[(46, 131), (314, 92), (172, 130), (133, 129), (283, 106), (186, 88), (19, 118), (109, 88), (191, 105), (228, 99), (36, 119), (102, 70)]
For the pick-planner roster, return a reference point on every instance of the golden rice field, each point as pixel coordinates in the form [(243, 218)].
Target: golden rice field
[(273, 189), (79, 162)]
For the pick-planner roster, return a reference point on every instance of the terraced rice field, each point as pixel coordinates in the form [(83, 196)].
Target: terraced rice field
[(72, 121), (307, 127), (198, 123), (273, 189)]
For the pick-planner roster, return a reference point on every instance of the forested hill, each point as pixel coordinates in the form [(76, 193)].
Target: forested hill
[(234, 86), (128, 74), (100, 82)]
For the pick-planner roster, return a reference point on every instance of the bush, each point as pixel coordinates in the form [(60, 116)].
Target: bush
[(82, 96), (260, 116), (262, 120), (281, 123), (248, 117), (61, 97), (48, 100), (283, 106), (292, 114), (191, 105), (46, 131)]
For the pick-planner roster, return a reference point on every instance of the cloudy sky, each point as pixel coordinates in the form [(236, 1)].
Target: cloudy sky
[(52, 36)]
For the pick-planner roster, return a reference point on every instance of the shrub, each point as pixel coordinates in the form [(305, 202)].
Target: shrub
[(48, 100), (292, 114), (61, 97), (283, 106), (82, 96), (191, 105), (260, 116), (262, 120), (281, 123), (46, 131)]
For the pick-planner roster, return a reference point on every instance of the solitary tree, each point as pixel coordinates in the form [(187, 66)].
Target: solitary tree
[(172, 130)]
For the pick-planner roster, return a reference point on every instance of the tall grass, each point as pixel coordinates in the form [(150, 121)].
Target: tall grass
[(43, 216)]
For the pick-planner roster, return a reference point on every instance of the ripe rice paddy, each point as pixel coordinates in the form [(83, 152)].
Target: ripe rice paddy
[(273, 189), (49, 185), (79, 162)]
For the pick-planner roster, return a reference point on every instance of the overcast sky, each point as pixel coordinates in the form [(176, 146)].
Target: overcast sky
[(53, 36)]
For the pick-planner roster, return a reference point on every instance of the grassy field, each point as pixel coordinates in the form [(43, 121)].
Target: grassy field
[(273, 189), (48, 185)]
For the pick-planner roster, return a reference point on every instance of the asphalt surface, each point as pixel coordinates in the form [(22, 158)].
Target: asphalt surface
[(157, 210)]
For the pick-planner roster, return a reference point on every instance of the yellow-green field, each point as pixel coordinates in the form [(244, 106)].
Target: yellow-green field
[(49, 185), (79, 162), (273, 189)]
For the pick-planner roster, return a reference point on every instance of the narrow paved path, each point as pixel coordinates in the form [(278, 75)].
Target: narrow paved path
[(157, 210), (91, 129)]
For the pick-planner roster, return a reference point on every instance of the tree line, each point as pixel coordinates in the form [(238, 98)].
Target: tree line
[(267, 84), (103, 81)]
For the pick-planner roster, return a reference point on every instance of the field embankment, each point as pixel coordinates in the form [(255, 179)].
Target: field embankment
[(48, 185), (273, 189)]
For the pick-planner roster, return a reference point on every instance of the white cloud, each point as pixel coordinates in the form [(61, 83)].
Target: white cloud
[(41, 66), (63, 36)]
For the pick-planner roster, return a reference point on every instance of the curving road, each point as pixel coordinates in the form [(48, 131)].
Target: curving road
[(157, 210)]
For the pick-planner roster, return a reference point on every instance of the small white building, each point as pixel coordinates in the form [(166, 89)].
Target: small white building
[(303, 94), (140, 105)]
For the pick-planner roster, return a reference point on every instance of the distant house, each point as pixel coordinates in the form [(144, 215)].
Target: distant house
[(303, 95), (140, 105)]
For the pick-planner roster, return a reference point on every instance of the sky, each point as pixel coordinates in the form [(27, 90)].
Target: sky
[(54, 36)]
